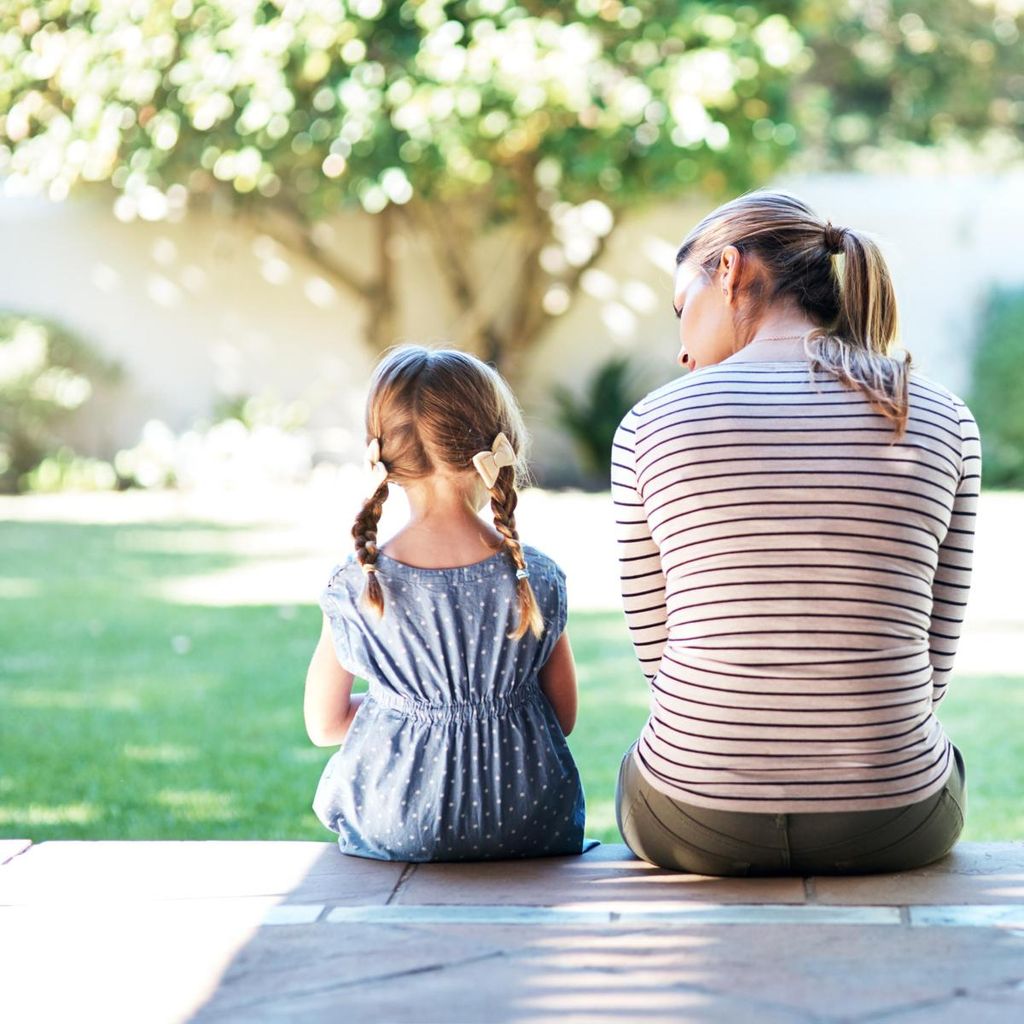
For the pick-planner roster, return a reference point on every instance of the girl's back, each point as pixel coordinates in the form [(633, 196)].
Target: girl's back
[(456, 753)]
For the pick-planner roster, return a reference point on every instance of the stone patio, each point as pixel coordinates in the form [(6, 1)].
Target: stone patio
[(294, 931)]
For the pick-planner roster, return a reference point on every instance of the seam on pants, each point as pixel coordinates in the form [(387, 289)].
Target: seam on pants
[(783, 823), (736, 846), (687, 844)]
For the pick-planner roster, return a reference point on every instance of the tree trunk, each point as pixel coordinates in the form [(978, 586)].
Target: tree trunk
[(381, 318), (503, 335)]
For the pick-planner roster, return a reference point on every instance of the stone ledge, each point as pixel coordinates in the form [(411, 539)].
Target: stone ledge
[(305, 873), (11, 848), (294, 931)]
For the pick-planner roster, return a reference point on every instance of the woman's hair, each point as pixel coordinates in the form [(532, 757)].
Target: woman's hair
[(795, 254), (433, 410)]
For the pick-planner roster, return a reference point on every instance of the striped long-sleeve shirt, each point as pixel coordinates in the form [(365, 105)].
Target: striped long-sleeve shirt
[(794, 583)]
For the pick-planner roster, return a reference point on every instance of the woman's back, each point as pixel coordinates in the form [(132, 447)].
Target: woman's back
[(779, 558)]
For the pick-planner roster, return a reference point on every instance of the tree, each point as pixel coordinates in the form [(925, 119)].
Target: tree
[(447, 117)]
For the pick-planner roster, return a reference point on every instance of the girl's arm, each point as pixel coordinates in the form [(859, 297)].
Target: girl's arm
[(558, 683), (329, 705)]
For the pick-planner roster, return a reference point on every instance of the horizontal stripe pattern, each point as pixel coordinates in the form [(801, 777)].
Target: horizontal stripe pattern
[(794, 583)]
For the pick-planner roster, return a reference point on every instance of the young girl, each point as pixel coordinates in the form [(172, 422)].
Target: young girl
[(458, 750)]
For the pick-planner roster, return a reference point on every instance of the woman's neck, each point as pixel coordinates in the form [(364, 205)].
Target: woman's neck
[(783, 323)]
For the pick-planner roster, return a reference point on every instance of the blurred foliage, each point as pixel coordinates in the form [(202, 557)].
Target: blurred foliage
[(451, 117), (46, 373), (997, 388), (592, 417), (264, 410), (321, 106), (65, 470), (891, 75), (249, 443)]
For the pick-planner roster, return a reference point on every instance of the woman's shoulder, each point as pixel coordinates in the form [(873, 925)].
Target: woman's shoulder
[(658, 398), (928, 385), (931, 393)]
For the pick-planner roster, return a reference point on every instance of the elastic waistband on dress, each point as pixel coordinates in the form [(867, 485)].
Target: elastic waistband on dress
[(456, 710)]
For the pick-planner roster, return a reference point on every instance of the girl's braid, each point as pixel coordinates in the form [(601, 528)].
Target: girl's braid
[(365, 533), (503, 505)]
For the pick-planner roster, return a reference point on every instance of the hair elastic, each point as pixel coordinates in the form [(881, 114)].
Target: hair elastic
[(368, 567), (834, 238), (522, 574)]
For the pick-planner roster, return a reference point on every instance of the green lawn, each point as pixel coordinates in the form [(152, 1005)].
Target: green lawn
[(125, 716)]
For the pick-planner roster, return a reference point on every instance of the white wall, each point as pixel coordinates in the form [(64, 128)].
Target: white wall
[(204, 306)]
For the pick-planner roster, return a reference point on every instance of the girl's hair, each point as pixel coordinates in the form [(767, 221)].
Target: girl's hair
[(433, 410), (855, 307)]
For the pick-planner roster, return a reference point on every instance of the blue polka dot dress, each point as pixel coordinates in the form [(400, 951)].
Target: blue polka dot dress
[(455, 753)]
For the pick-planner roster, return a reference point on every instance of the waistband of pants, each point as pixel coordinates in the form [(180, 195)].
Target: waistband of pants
[(488, 707)]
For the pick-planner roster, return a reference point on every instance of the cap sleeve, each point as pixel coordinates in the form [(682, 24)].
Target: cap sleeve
[(556, 611), (338, 603)]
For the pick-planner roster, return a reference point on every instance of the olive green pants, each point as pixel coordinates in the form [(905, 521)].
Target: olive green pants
[(700, 840)]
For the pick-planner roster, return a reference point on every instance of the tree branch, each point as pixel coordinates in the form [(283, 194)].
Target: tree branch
[(286, 224), (446, 238)]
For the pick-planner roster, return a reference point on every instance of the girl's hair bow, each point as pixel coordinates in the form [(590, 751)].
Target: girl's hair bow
[(489, 462), (377, 470)]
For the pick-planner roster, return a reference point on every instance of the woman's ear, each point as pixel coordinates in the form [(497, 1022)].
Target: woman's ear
[(729, 272)]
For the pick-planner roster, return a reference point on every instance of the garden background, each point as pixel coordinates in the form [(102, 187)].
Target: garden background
[(215, 215)]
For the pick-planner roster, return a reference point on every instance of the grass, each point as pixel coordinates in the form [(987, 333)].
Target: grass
[(125, 716)]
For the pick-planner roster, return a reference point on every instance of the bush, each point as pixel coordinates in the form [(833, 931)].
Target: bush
[(997, 388), (66, 471), (46, 373), (592, 418), (250, 440)]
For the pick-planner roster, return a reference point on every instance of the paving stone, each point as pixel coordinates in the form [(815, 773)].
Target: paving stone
[(609, 874), (706, 973), (292, 913), (959, 1010), (491, 975), (987, 915), (972, 873), (846, 973), (283, 966), (466, 914), (639, 914), (120, 963), (10, 848), (91, 871)]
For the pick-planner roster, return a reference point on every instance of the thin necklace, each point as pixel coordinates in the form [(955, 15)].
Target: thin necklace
[(781, 337)]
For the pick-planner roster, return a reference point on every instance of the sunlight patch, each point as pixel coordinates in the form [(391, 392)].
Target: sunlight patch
[(199, 804), (39, 814), (71, 700), (163, 753), (18, 588)]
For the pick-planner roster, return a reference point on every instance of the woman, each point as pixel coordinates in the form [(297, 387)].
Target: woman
[(796, 522)]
